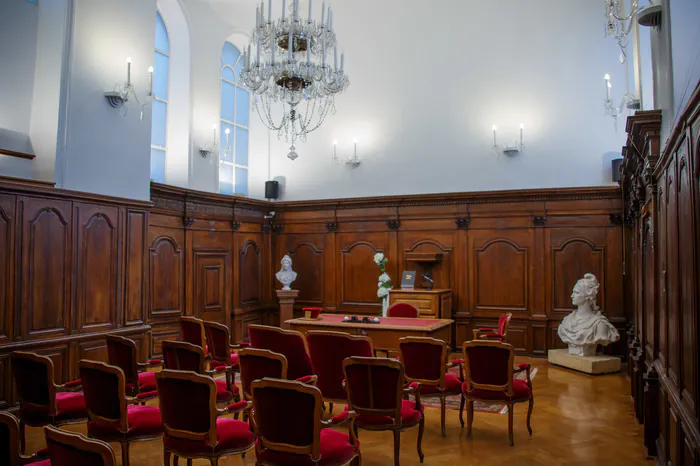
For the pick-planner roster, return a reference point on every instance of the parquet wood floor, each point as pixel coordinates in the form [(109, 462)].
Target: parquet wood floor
[(577, 420)]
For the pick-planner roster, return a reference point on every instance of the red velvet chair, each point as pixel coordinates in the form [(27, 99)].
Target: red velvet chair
[(192, 331), (425, 362), (221, 349), (10, 454), (289, 429), (375, 388), (402, 310), (115, 417), (498, 334), (488, 377), (122, 353), (287, 342), (73, 449), (257, 364), (328, 350), (41, 401), (181, 356), (193, 428)]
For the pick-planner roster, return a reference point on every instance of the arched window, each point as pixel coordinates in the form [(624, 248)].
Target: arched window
[(235, 116), (159, 110)]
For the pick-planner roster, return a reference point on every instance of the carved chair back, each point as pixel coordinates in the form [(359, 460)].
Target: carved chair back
[(488, 365), (104, 387), (73, 449), (34, 379), (424, 360), (375, 386), (290, 343), (258, 364), (402, 310), (183, 356), (192, 331), (122, 353)]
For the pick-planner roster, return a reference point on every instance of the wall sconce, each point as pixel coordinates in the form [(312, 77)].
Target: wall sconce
[(628, 100), (508, 149), (206, 151), (120, 94), (352, 162)]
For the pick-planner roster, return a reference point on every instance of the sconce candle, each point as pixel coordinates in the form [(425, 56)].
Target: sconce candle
[(150, 80), (311, 2), (608, 85), (214, 129), (323, 14), (522, 126), (296, 10), (269, 11), (284, 9), (128, 71), (290, 47), (494, 135)]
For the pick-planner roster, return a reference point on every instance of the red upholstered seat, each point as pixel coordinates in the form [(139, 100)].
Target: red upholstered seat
[(147, 381), (70, 405), (231, 434), (42, 463), (453, 386), (142, 421), (233, 359), (222, 392), (335, 449), (496, 334), (520, 392), (409, 416)]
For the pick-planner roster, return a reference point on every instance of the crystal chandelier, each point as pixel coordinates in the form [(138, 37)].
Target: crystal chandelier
[(619, 24), (290, 70)]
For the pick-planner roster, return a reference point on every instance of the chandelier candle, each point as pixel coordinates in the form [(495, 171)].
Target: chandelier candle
[(128, 71)]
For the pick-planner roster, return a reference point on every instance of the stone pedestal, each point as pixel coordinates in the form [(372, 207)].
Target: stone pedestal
[(598, 364), (286, 298)]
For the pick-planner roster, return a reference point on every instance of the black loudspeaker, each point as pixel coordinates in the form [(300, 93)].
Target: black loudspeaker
[(616, 170), (272, 189)]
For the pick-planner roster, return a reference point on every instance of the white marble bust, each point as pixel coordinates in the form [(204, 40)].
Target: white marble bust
[(286, 275), (586, 328)]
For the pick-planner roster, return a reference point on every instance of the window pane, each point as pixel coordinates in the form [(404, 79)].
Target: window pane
[(160, 75), (159, 118), (161, 35), (239, 67), (241, 181), (225, 178), (241, 146), (242, 106), (158, 165), (227, 73), (229, 54), (227, 91), (226, 150)]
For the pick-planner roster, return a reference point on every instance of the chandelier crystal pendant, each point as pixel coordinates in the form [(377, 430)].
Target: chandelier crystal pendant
[(619, 23), (290, 70)]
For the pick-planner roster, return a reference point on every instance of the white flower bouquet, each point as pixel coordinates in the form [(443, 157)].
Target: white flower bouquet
[(384, 281)]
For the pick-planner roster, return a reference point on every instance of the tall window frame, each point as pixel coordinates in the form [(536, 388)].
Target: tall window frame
[(159, 104), (234, 115)]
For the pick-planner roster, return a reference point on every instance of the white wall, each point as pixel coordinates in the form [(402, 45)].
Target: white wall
[(19, 20), (685, 42), (104, 152)]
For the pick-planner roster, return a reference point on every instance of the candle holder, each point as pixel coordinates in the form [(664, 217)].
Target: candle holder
[(508, 149), (354, 161), (628, 101), (120, 95)]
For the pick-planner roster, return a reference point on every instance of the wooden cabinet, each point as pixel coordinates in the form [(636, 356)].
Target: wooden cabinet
[(432, 304)]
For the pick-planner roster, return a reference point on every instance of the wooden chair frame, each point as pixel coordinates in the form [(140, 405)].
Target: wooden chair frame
[(261, 353), (119, 340), (283, 331), (17, 457), (197, 321), (214, 412), (482, 332), (53, 388), (507, 388), (439, 383), (315, 448), (124, 401), (347, 336), (214, 356), (83, 443), (395, 412)]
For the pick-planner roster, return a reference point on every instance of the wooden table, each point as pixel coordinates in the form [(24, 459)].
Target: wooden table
[(386, 334)]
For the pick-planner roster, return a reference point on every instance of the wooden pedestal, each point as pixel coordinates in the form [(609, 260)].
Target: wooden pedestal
[(286, 298)]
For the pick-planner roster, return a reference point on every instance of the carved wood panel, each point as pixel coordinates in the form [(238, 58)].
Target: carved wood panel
[(308, 262), (250, 273), (358, 274), (672, 275), (166, 277), (97, 260), (500, 263), (93, 350), (7, 275), (662, 274), (135, 271), (211, 281), (59, 356), (161, 334), (6, 383), (46, 278), (412, 244)]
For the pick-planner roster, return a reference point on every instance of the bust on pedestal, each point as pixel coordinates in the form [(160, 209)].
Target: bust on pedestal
[(286, 295), (583, 330)]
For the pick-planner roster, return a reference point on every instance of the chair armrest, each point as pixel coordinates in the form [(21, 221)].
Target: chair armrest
[(349, 416), (458, 363), (72, 386), (150, 363), (414, 389), (487, 330), (308, 379), (524, 366), (238, 407), (142, 397), (377, 351), (243, 344)]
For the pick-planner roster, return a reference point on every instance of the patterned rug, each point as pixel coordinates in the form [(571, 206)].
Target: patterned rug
[(452, 402)]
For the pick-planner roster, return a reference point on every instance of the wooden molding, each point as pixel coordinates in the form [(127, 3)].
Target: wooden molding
[(20, 155)]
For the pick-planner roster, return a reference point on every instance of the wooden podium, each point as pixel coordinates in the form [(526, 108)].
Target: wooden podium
[(432, 304)]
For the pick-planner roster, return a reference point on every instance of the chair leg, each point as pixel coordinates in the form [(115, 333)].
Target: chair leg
[(510, 424), (125, 454), (461, 409), (166, 457), (330, 408), (470, 417), (214, 461), (22, 437), (442, 414), (529, 413), (176, 460), (189, 461), (397, 447), (421, 428)]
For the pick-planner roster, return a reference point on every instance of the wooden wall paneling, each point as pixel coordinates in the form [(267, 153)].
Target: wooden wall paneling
[(166, 273), (136, 267), (250, 267), (429, 242), (661, 273), (672, 272), (7, 268), (209, 282), (97, 258), (308, 260), (59, 354), (161, 333), (45, 232), (6, 383)]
